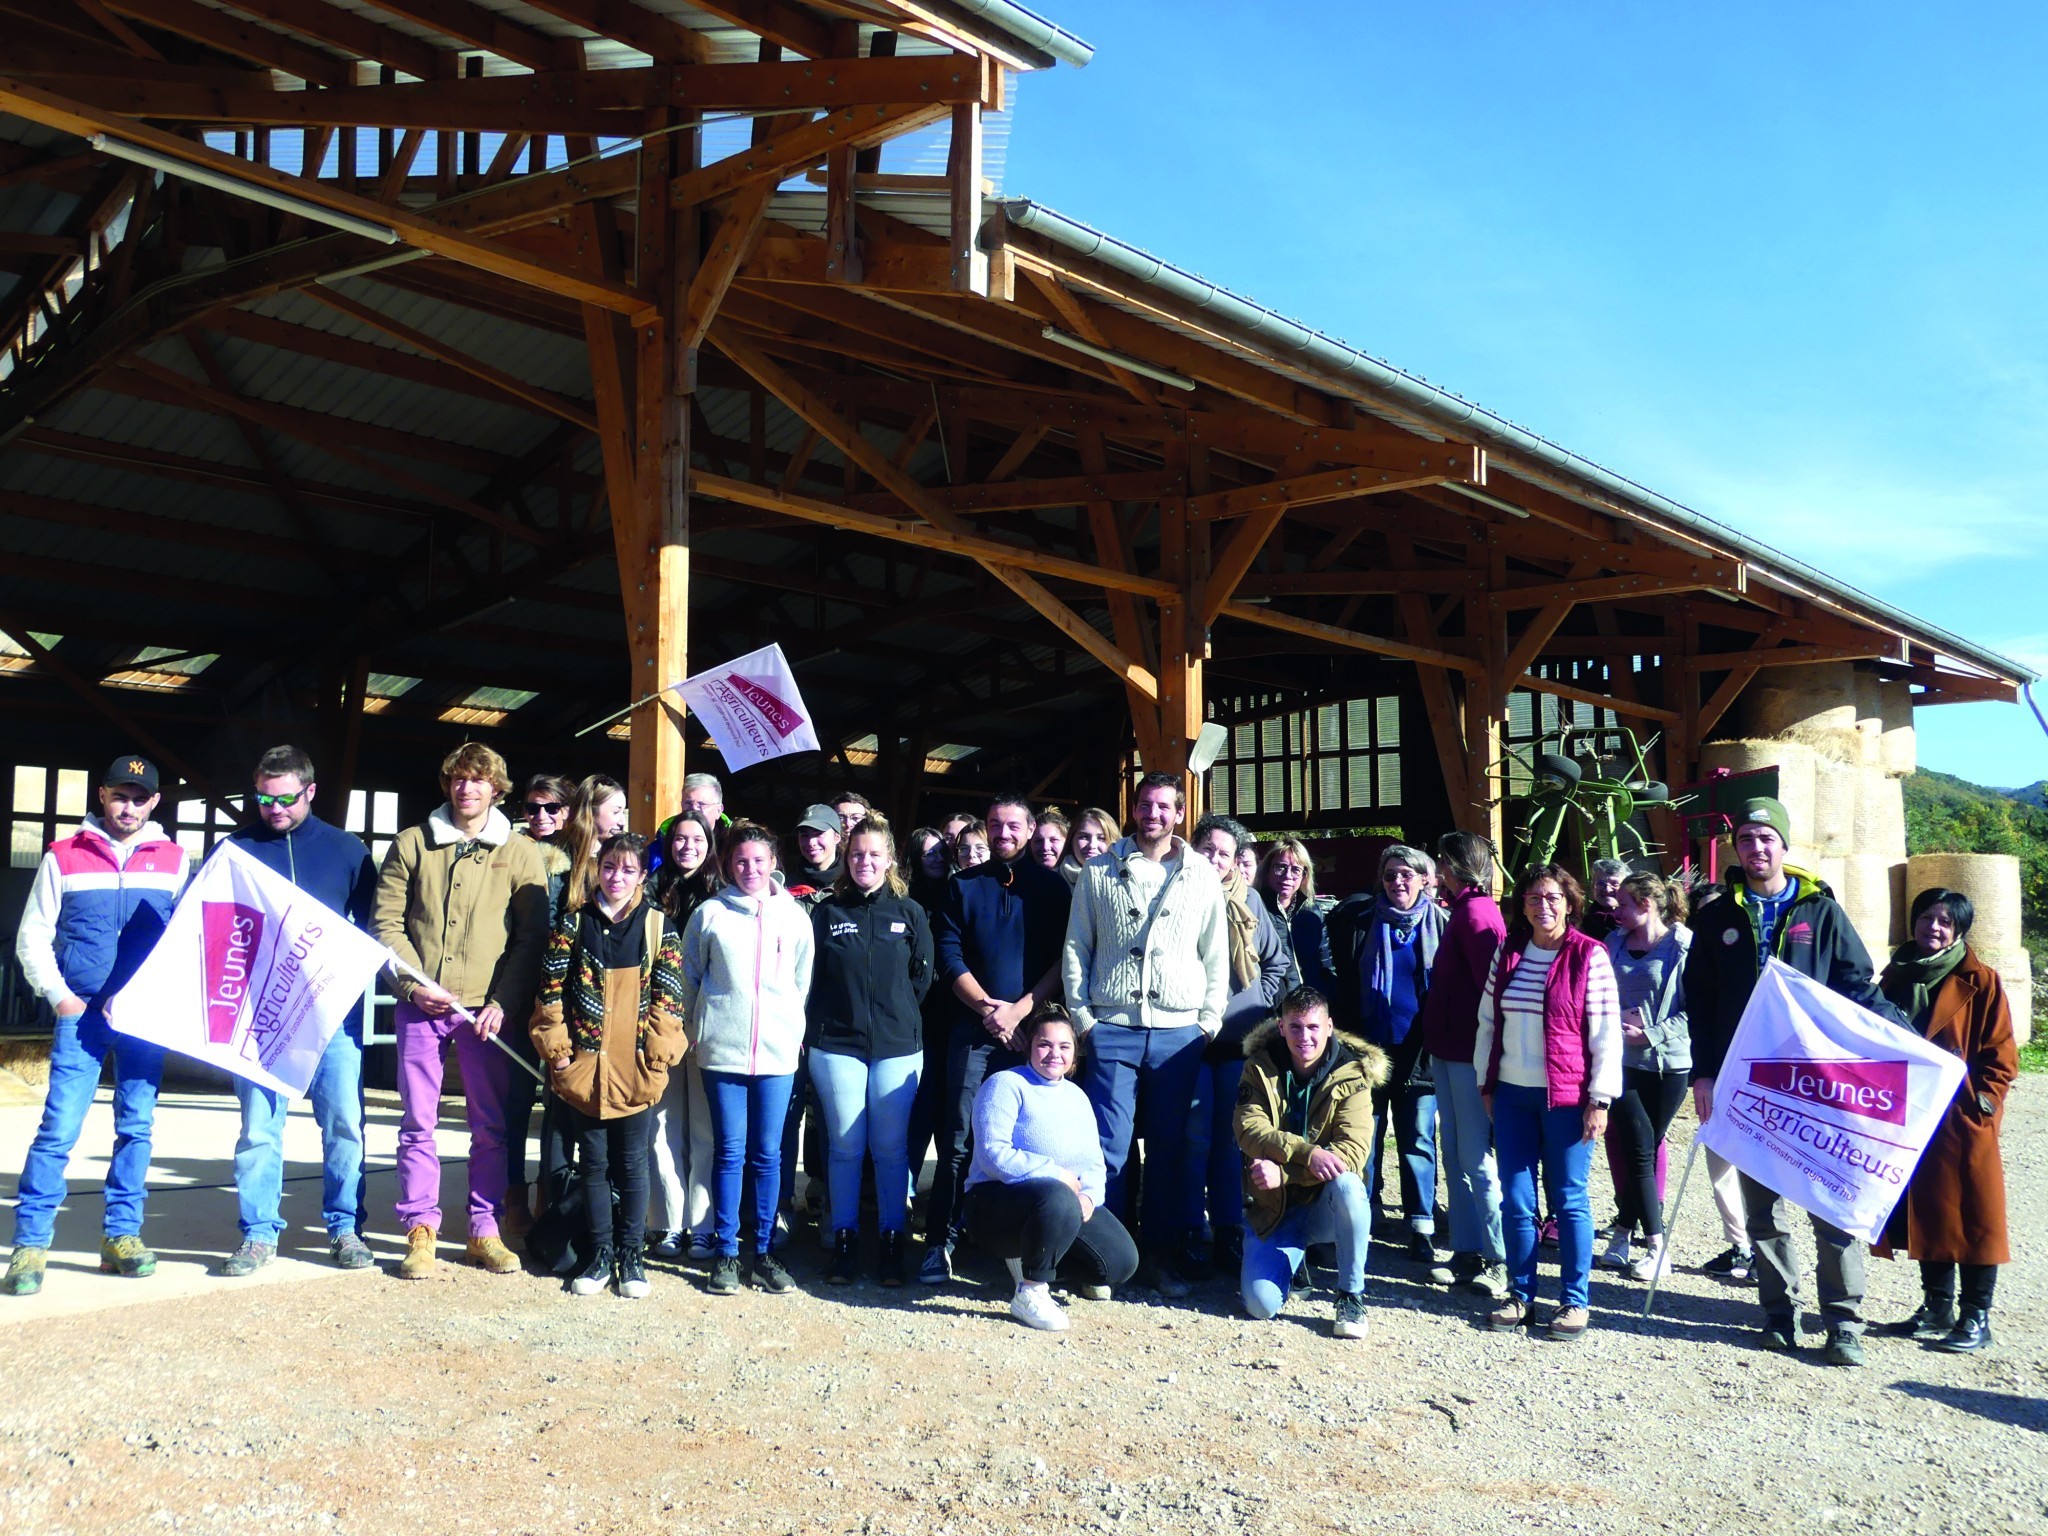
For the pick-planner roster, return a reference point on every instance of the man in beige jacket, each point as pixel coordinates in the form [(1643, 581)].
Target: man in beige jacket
[(465, 904)]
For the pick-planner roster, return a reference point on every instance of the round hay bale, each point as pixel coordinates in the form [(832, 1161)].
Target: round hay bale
[(1869, 718), (1834, 873), (1990, 880), (1880, 826), (2019, 996), (1899, 753), (1866, 897), (1835, 788), (1821, 697), (1794, 762)]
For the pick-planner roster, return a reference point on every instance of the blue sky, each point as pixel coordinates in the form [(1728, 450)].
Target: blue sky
[(1781, 263)]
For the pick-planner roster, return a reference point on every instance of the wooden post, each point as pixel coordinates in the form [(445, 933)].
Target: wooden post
[(1486, 702), (1180, 652)]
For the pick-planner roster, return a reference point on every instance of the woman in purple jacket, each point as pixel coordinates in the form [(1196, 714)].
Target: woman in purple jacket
[(1450, 1022), (1548, 1055)]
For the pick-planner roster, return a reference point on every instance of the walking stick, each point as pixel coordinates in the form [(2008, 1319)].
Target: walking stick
[(1669, 1222)]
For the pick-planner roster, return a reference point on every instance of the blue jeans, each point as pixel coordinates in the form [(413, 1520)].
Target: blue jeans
[(1339, 1214), (1471, 1181), (1527, 1131), (1143, 1082), (746, 1122), (81, 1045), (1413, 1113), (336, 1094), (1221, 1189), (867, 1114)]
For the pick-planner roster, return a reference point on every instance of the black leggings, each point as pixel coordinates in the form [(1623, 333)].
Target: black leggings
[(614, 1159), (1038, 1222), (1979, 1280), (1642, 1115)]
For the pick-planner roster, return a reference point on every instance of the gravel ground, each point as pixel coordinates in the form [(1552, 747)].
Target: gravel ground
[(355, 1403)]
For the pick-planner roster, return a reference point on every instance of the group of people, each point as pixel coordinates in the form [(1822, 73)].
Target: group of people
[(1140, 1057)]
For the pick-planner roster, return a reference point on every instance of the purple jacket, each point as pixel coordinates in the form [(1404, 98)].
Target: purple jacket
[(1450, 1013)]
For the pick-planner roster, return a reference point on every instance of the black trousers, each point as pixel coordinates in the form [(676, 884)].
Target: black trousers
[(1038, 1222), (1938, 1279), (970, 1057), (1642, 1115), (614, 1160)]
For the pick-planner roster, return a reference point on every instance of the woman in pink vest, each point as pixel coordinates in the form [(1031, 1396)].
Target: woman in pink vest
[(1548, 1059)]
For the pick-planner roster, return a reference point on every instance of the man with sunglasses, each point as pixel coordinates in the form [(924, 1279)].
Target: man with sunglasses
[(334, 868), (99, 903)]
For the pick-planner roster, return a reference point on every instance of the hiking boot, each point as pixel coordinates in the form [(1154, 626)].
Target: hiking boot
[(1781, 1334), (770, 1275), (1567, 1325), (518, 1218), (349, 1251), (1971, 1333), (125, 1256), (1736, 1264), (1034, 1307), (1349, 1322), (1931, 1320), (725, 1276), (890, 1268), (632, 1277), (1491, 1282), (248, 1258), (594, 1276), (490, 1254), (420, 1258), (1842, 1349), (841, 1270), (937, 1268), (1422, 1249), (25, 1272)]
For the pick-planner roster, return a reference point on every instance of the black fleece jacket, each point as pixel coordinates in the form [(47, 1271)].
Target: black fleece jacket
[(872, 967)]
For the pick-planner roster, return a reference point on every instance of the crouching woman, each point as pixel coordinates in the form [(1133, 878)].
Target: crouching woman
[(608, 1023), (1305, 1127), (1034, 1192)]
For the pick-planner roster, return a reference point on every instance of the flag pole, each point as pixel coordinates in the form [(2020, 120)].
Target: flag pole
[(645, 698), (1670, 1221), (467, 1017)]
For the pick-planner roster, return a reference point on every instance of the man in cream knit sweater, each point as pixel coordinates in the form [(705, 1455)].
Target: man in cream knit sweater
[(1147, 971)]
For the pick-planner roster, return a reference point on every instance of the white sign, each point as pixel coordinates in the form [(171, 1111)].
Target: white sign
[(751, 708), (251, 975), (1827, 1103)]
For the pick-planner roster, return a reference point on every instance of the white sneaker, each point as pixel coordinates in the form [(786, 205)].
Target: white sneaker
[(1034, 1307), (1655, 1263), (1616, 1256)]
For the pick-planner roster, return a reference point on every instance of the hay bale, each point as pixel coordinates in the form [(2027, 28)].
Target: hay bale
[(1899, 751), (1901, 904), (1834, 873), (1819, 698), (1794, 761), (2019, 996), (1990, 880), (2016, 969), (1835, 787), (1869, 718), (1880, 824), (1866, 896)]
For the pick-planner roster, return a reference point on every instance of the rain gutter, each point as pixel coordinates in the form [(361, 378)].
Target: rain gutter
[(1031, 29)]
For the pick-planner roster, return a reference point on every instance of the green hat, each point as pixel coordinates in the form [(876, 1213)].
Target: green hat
[(1763, 811)]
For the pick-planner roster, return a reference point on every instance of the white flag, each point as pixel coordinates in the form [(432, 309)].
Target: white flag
[(1827, 1103), (751, 708), (251, 975)]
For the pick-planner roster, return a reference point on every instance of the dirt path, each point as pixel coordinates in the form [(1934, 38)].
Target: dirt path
[(354, 1403)]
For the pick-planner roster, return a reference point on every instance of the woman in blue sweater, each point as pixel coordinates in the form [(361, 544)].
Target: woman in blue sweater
[(1034, 1194)]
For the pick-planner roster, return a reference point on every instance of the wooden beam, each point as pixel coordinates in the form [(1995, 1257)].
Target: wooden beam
[(482, 28), (998, 559), (1326, 583), (1351, 639), (1065, 491), (531, 394), (785, 26), (416, 229), (792, 150), (1537, 684), (232, 35), (738, 228), (1592, 590), (360, 36), (1545, 624), (1430, 467), (1790, 656), (1717, 703)]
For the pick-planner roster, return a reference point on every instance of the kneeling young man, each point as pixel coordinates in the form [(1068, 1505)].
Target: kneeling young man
[(1304, 1124)]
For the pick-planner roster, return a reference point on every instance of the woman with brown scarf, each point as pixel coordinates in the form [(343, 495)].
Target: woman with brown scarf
[(1259, 962)]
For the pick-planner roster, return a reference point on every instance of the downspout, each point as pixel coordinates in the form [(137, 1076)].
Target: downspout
[(1452, 414)]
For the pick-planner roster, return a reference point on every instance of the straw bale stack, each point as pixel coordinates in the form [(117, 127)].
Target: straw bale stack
[(1866, 897), (1833, 870), (1788, 700), (1836, 785), (1898, 751), (1990, 880), (1880, 825), (1794, 761)]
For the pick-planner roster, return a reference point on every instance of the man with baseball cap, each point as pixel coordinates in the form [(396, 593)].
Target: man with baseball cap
[(1771, 909), (99, 903)]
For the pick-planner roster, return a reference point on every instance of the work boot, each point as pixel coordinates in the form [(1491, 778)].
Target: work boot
[(420, 1259), (25, 1272), (248, 1258), (1971, 1333), (490, 1254), (125, 1256), (1931, 1320), (518, 1218)]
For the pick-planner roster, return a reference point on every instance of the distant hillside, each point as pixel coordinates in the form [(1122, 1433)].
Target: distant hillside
[(2033, 794), (1945, 814)]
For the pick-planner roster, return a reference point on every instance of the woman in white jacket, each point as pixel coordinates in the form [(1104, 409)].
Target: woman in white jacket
[(746, 971)]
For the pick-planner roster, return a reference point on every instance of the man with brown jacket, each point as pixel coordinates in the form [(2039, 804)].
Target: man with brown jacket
[(463, 903), (1305, 1125)]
